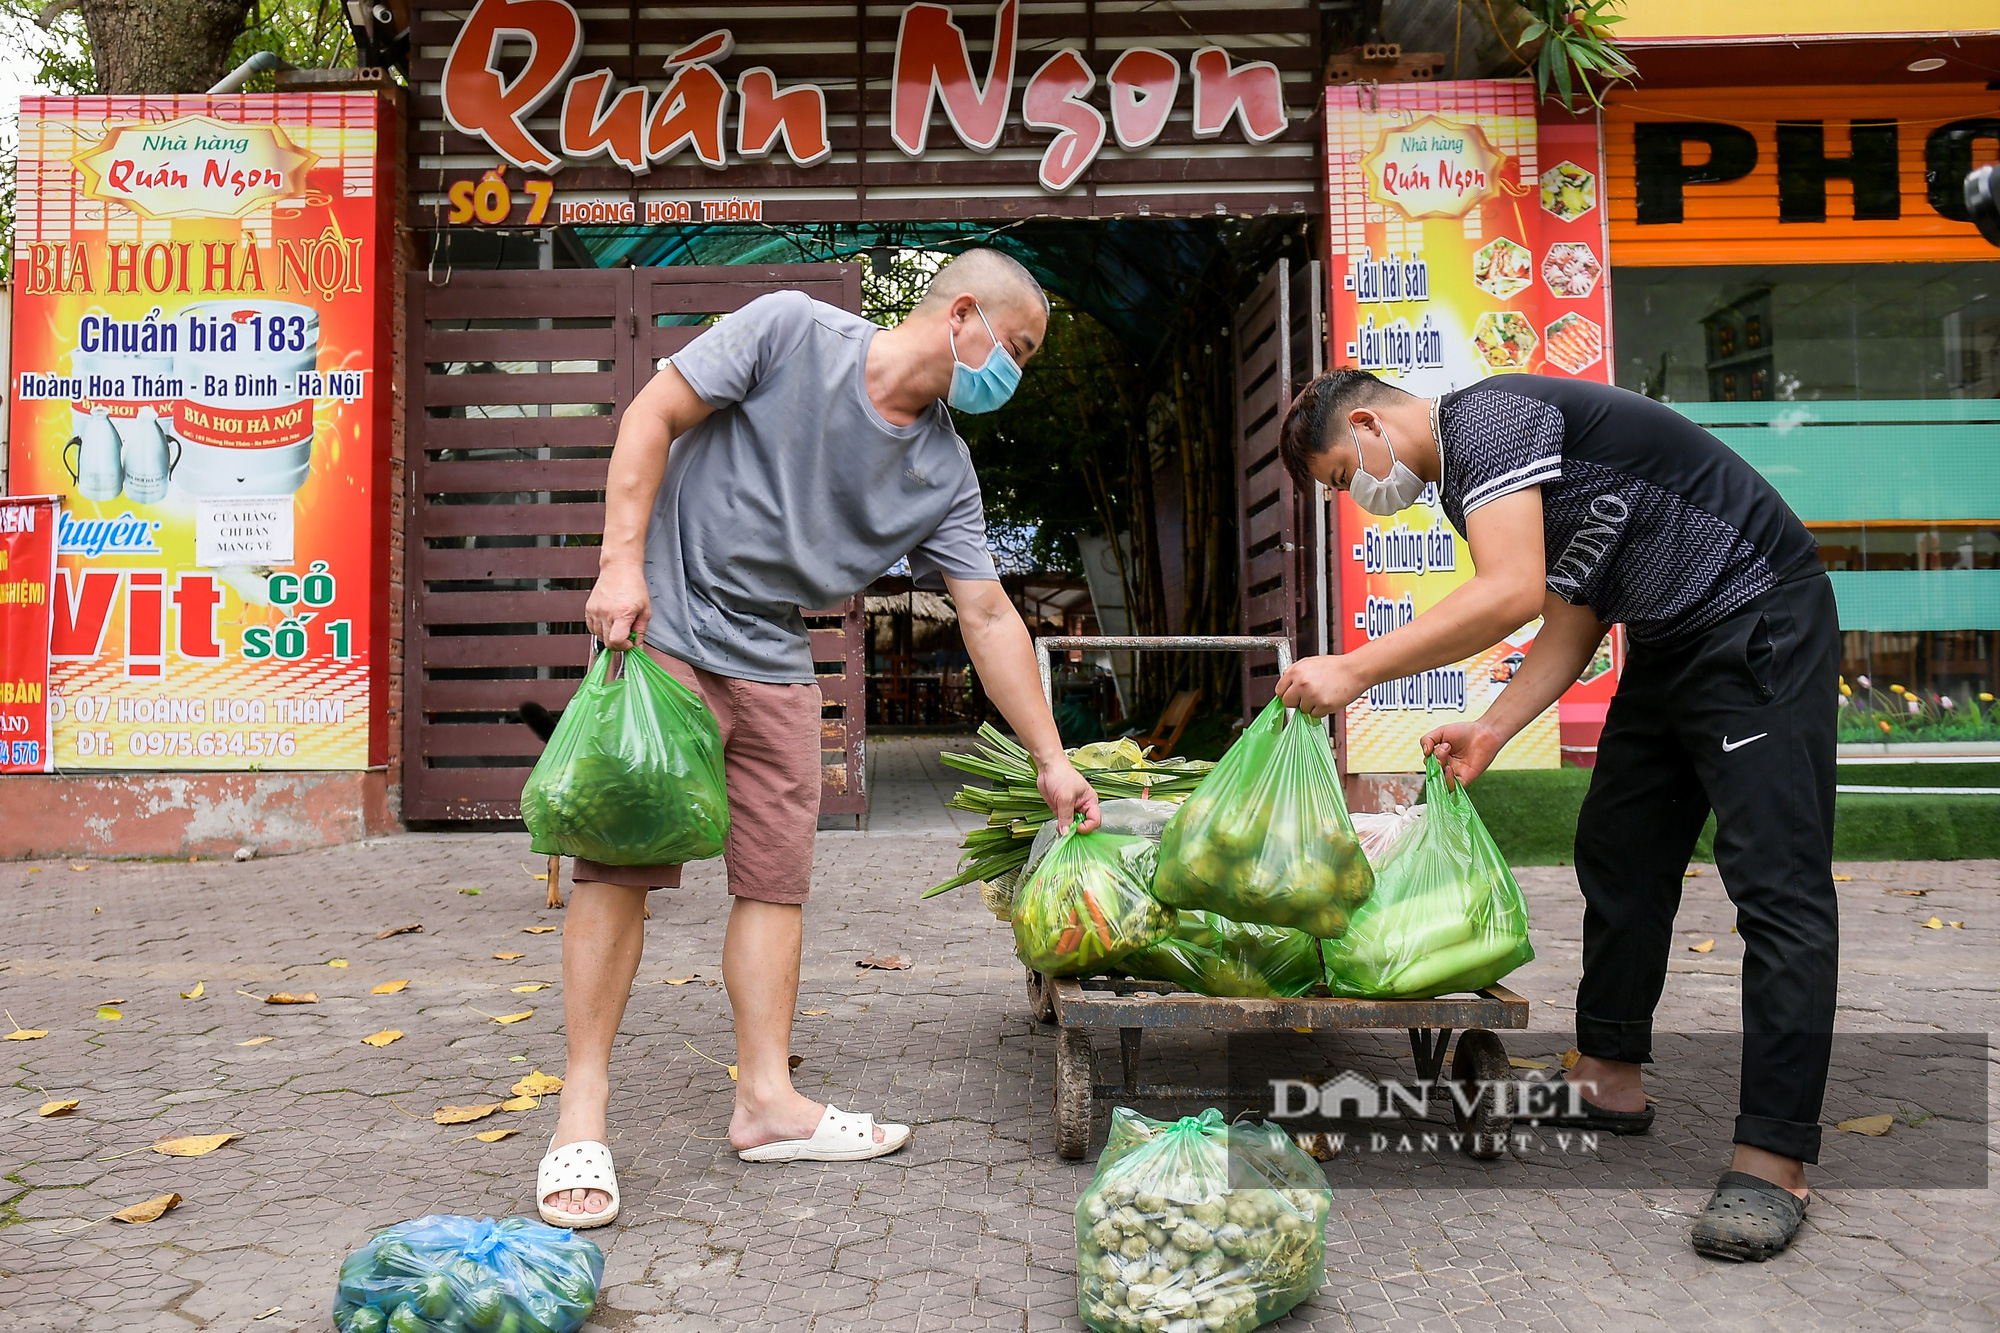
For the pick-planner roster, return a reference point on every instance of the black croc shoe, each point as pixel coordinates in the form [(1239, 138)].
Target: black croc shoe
[(1747, 1218), (1549, 1105)]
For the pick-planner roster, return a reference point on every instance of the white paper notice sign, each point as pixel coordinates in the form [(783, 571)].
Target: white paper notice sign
[(243, 530)]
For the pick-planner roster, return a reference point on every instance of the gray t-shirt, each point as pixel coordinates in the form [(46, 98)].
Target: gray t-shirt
[(796, 492)]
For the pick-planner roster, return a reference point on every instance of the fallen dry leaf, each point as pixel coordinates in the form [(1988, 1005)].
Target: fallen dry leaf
[(108, 1014), (382, 1038), (1570, 1057), (463, 1115), (267, 1314), (537, 930), (1319, 1147), (387, 988), (1843, 879), (1517, 1062), (58, 1108), (812, 1013), (520, 1104), (537, 1084), (1932, 924), (886, 962), (150, 1210), (794, 1061), (196, 993), (515, 1018), (1956, 925), (1692, 872), (680, 981), (1874, 1126), (506, 957), (286, 997), (194, 1145), (414, 928), (79, 865), (470, 891), (256, 1041), (1908, 893), (494, 1135), (732, 1072), (1706, 946), (27, 1034), (336, 962), (530, 988)]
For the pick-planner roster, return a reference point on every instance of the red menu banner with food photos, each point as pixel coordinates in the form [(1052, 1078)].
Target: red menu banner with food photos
[(27, 576), (200, 356), (1466, 240)]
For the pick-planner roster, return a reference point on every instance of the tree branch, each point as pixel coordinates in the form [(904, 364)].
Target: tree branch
[(52, 11)]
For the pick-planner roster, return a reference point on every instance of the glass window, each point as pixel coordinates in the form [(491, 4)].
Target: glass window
[(1934, 685), (1809, 332), (1868, 546)]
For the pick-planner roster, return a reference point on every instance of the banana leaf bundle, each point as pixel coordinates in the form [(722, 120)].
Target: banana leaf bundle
[(1013, 805)]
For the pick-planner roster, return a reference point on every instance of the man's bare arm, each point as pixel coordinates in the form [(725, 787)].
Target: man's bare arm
[(1504, 593), (1004, 657), (1562, 649), (664, 410)]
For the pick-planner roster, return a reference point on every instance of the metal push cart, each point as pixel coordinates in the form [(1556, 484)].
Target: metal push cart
[(1082, 1007)]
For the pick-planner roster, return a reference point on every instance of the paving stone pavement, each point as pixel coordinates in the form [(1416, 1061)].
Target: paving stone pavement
[(968, 1228)]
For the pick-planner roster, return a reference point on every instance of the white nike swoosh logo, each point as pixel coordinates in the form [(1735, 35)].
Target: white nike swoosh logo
[(1728, 745)]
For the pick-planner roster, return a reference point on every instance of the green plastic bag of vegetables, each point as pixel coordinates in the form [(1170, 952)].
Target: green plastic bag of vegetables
[(1197, 1226), (1087, 905), (1213, 955), (633, 774), (447, 1274), (1446, 917), (1266, 837)]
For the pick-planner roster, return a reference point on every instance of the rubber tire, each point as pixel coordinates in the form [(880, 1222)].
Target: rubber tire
[(1480, 1057), (1074, 1074), (1041, 997)]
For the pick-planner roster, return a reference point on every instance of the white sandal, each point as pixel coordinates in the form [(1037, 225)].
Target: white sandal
[(841, 1137), (576, 1166)]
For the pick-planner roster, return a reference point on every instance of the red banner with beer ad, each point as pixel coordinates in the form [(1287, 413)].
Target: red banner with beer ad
[(1467, 240), (199, 358), (27, 573)]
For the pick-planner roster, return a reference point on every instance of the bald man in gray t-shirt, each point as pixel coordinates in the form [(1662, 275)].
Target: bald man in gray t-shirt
[(785, 458)]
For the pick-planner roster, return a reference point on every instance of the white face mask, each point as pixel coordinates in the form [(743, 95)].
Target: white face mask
[(1386, 496)]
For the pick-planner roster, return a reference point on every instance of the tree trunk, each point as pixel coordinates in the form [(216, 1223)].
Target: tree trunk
[(162, 46)]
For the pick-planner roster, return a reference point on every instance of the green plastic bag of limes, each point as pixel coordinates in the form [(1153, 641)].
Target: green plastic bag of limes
[(633, 774), (1446, 917), (450, 1274), (1266, 837)]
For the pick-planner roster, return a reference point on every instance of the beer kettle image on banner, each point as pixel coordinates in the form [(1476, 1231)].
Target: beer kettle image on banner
[(146, 464), (99, 469)]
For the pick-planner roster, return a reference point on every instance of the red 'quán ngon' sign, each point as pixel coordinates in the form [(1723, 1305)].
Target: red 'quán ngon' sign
[(639, 128)]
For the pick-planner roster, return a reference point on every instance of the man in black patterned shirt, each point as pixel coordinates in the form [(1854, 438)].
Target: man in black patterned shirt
[(1592, 506)]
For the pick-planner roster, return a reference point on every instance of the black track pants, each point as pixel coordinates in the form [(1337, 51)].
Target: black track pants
[(1740, 720)]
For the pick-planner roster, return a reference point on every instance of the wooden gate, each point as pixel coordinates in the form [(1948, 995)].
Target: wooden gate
[(514, 396), (1279, 340)]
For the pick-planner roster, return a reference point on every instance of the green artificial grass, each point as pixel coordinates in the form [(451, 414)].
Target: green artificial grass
[(1532, 814)]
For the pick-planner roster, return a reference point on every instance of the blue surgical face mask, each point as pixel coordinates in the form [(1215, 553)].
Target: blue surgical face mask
[(988, 387)]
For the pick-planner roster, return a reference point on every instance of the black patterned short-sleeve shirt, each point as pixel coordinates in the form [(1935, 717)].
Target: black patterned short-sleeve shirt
[(1648, 519)]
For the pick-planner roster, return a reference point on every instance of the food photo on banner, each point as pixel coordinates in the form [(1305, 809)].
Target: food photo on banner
[(1467, 240), (27, 575), (199, 351)]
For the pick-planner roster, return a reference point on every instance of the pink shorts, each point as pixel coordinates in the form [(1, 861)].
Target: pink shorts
[(771, 766)]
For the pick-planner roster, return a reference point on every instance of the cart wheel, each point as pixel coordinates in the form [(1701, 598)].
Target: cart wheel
[(1073, 1092), (1480, 1058), (1041, 997)]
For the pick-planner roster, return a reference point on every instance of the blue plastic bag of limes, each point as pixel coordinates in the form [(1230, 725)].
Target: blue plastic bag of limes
[(447, 1274)]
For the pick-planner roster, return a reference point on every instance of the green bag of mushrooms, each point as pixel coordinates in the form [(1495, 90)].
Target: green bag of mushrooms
[(1197, 1226)]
